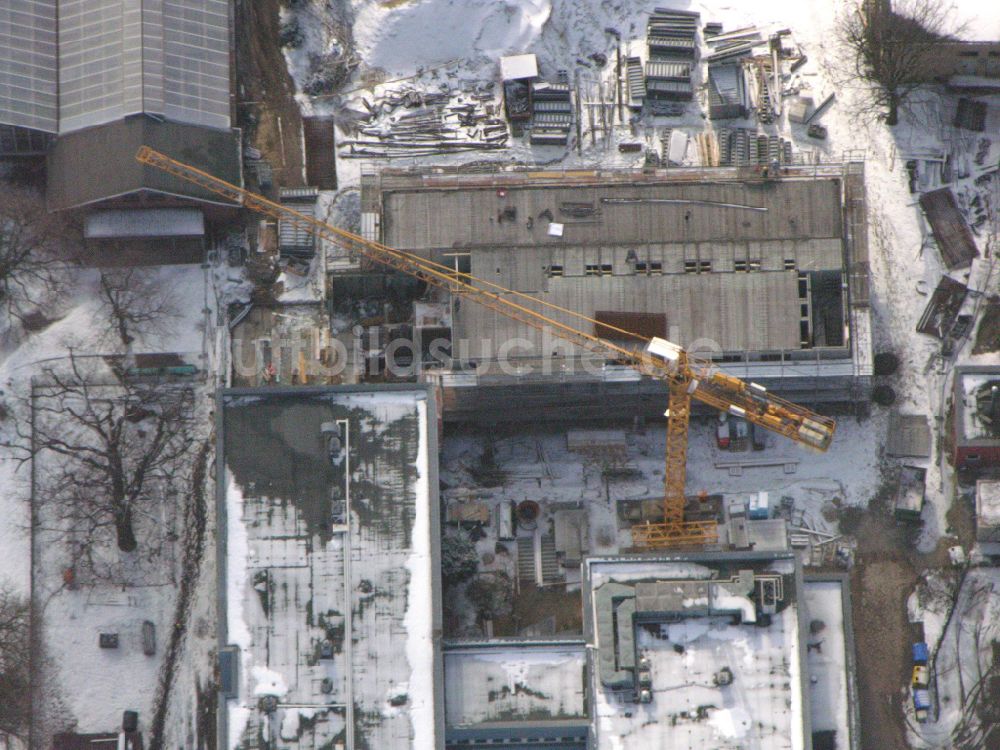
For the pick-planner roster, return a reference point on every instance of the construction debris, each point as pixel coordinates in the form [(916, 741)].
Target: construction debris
[(727, 92), (951, 231), (942, 310), (435, 123)]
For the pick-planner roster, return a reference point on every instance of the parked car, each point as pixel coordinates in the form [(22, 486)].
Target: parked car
[(740, 434), (722, 432), (921, 704)]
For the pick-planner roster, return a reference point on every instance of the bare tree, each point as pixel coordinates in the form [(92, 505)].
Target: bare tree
[(891, 45), (14, 665), (117, 449), (135, 303), (35, 248)]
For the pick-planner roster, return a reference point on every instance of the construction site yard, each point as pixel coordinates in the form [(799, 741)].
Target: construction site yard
[(398, 54)]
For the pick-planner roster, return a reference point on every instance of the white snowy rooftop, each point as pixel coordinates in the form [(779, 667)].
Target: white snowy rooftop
[(763, 707), (827, 661), (511, 683), (968, 382), (988, 502), (331, 567)]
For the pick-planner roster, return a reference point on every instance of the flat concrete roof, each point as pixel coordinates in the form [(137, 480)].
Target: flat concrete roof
[(721, 258), (764, 705), (970, 430), (909, 435), (502, 682), (331, 575), (416, 217)]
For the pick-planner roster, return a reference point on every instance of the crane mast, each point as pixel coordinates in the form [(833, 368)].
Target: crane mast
[(687, 377)]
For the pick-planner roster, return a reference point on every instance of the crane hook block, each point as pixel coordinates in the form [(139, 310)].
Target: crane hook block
[(664, 349)]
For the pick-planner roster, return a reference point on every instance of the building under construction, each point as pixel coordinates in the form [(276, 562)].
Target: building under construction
[(765, 271)]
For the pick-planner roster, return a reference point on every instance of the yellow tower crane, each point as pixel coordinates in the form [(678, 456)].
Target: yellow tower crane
[(687, 377)]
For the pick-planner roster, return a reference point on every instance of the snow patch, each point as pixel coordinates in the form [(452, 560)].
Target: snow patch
[(470, 30), (417, 621), (268, 682), (730, 722)]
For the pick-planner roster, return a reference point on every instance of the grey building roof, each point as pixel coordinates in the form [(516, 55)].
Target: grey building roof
[(420, 218), (99, 163), (72, 64), (644, 248)]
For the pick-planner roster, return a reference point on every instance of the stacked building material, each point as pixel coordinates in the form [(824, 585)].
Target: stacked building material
[(951, 230), (296, 240), (971, 115), (671, 34), (668, 80), (731, 51), (552, 114), (636, 82), (741, 147), (766, 97), (671, 39), (727, 92)]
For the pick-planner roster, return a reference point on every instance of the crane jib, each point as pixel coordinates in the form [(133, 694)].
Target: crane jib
[(687, 376)]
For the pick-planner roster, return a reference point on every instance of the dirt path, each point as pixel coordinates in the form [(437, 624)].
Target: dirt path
[(886, 571), (882, 634), (194, 545), (267, 110)]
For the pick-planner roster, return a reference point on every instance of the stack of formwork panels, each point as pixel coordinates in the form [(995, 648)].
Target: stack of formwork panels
[(636, 82), (672, 34), (741, 147), (727, 92), (552, 114), (672, 44), (295, 238), (668, 80)]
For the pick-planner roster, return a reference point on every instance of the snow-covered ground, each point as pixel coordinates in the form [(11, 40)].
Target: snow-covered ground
[(187, 329), (87, 687), (538, 465)]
